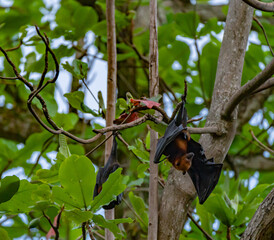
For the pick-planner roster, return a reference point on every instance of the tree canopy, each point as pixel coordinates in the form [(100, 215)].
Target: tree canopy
[(50, 157)]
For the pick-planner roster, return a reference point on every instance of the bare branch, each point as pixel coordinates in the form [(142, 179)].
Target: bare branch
[(252, 162), (261, 144), (247, 89), (268, 84), (208, 130), (127, 125), (264, 32), (266, 7)]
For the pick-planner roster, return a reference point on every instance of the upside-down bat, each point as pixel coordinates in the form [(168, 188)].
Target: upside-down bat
[(103, 174), (187, 155)]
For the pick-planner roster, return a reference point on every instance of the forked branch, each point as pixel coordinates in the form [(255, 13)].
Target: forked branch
[(247, 89)]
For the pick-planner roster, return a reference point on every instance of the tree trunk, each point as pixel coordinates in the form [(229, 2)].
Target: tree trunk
[(261, 226), (179, 191)]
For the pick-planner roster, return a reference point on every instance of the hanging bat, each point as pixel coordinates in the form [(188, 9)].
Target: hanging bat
[(174, 142), (187, 155), (103, 174)]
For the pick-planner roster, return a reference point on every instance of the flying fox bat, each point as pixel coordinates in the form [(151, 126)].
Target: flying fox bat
[(104, 173), (187, 155)]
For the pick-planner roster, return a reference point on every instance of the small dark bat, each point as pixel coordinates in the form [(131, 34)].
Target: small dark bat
[(187, 155), (104, 173)]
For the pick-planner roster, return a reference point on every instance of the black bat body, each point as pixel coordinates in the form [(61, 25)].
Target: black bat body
[(187, 155), (104, 173)]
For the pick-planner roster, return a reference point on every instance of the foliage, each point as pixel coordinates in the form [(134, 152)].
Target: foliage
[(55, 173)]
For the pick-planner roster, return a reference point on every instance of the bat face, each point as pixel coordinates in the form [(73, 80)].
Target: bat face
[(103, 175)]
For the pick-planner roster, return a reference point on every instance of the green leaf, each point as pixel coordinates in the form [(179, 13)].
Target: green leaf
[(209, 59), (8, 187), (205, 217), (22, 199), (111, 224), (78, 68), (141, 170), (67, 121), (77, 176), (217, 205), (34, 223), (3, 234), (110, 190), (60, 196), (160, 128), (256, 192), (78, 216), (187, 23), (63, 149), (101, 102), (47, 176), (76, 100), (140, 208)]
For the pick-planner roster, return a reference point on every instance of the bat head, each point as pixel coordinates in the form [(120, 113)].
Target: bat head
[(183, 163)]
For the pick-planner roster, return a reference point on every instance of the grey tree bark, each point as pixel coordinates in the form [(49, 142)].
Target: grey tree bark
[(261, 226), (179, 191)]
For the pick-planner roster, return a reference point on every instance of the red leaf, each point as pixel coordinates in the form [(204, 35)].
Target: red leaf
[(134, 116), (148, 103)]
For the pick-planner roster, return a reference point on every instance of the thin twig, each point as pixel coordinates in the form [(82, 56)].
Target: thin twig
[(261, 144), (264, 32), (134, 212), (194, 120), (84, 231), (52, 226), (15, 48), (90, 231), (45, 146), (208, 237), (228, 234)]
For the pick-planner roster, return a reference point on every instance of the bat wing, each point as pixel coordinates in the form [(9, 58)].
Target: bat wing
[(173, 130), (204, 172)]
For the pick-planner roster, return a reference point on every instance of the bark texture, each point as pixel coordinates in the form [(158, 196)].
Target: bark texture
[(111, 89), (261, 226), (153, 91), (179, 189)]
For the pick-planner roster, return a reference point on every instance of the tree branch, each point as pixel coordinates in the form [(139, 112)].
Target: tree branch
[(247, 89), (268, 84), (261, 144), (153, 91), (252, 162), (266, 7), (261, 224), (264, 32)]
